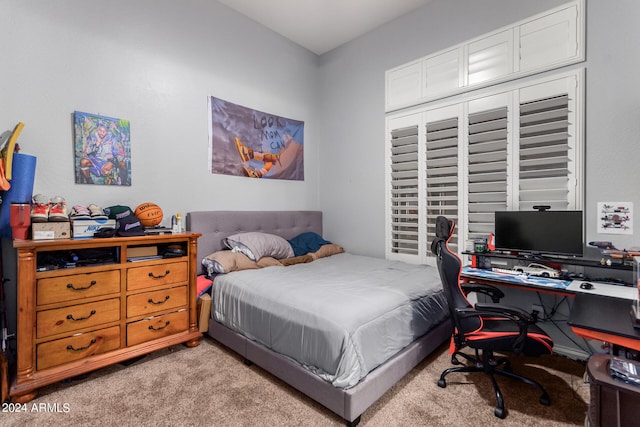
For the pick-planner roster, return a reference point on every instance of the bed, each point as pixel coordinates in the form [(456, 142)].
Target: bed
[(347, 363)]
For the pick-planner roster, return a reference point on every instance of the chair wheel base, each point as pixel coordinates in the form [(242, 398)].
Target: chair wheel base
[(500, 413), (442, 383)]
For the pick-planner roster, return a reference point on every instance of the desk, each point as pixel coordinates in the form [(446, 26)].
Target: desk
[(604, 318), (528, 283), (600, 313)]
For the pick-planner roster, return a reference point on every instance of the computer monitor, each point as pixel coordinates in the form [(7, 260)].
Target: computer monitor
[(544, 233)]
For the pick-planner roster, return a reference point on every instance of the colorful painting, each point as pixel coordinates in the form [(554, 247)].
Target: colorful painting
[(251, 143), (102, 149)]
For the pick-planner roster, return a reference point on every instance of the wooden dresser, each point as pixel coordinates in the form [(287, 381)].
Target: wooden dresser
[(82, 305)]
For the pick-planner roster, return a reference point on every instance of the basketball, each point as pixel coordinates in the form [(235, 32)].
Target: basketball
[(149, 214)]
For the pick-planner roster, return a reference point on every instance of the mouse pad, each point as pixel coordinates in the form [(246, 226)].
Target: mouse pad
[(515, 278)]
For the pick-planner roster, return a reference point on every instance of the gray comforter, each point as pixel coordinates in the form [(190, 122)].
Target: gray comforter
[(339, 316)]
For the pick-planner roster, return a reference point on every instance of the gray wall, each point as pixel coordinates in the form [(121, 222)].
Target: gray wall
[(153, 62), (352, 85)]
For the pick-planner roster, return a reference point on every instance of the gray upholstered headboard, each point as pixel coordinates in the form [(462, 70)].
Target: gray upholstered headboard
[(216, 225)]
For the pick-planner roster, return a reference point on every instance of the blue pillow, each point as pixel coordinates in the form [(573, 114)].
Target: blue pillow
[(307, 242)]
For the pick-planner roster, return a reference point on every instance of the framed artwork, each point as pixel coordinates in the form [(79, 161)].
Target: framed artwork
[(102, 147), (615, 217), (255, 144)]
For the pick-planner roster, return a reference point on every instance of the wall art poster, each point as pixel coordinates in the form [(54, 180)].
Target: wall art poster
[(102, 147), (615, 217), (252, 143)]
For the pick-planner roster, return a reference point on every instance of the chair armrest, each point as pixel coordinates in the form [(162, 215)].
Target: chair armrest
[(514, 313), (522, 318), (494, 293)]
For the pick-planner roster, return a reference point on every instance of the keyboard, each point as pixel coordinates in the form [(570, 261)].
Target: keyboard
[(507, 271)]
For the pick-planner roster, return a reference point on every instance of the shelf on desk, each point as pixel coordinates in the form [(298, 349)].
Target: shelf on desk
[(616, 265)]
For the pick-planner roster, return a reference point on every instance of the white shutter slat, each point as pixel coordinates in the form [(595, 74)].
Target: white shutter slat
[(487, 167), (486, 207), (545, 116), (499, 176), (488, 157), (550, 150), (542, 183), (557, 172), (500, 134), (542, 162), (398, 135), (559, 194), (543, 127), (499, 145), (488, 186), (402, 149)]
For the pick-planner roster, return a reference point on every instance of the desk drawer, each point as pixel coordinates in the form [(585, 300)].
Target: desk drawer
[(156, 301), (157, 327), (70, 288), (157, 275), (54, 353), (75, 317)]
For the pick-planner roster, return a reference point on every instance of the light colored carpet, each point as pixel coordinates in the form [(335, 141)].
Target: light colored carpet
[(210, 385)]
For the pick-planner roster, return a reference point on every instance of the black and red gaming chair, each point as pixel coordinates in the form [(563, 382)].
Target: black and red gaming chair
[(485, 327)]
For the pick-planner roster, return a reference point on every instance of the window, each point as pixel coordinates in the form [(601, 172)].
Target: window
[(508, 149)]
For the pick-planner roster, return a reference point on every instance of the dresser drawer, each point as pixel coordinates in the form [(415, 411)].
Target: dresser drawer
[(69, 288), (65, 350), (157, 275), (157, 327), (74, 317), (157, 301)]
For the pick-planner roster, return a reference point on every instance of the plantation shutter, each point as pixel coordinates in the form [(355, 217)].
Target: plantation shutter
[(547, 152), (488, 140), (507, 150), (544, 153), (442, 177), (404, 193)]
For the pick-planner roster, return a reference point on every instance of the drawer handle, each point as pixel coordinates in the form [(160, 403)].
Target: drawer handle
[(70, 286), (72, 348), (161, 276), (70, 316), (166, 298), (159, 328)]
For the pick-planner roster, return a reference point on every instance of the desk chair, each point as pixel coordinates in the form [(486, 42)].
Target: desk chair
[(484, 327)]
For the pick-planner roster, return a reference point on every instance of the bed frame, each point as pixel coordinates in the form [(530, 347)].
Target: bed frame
[(347, 403)]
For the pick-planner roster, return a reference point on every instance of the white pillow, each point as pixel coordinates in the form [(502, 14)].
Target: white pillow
[(256, 245)]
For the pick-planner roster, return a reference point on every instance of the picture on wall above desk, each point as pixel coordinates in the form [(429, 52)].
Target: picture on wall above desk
[(255, 144), (102, 147), (615, 217)]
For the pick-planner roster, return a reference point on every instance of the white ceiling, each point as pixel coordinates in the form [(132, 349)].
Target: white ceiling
[(321, 25)]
